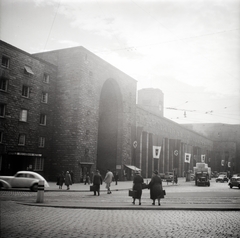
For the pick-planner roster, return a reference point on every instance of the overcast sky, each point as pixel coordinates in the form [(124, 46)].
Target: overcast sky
[(190, 49)]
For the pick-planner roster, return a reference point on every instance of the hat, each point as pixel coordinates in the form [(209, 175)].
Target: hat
[(155, 172)]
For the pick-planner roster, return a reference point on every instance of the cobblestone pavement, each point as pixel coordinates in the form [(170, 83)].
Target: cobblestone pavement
[(29, 222)]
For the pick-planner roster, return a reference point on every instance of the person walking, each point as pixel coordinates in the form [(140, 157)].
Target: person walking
[(108, 180), (68, 180), (155, 186), (97, 181), (116, 178), (60, 180), (137, 186)]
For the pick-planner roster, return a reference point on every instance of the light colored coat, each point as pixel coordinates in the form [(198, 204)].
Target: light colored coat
[(108, 178)]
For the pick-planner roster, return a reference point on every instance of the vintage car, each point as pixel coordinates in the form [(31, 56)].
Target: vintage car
[(222, 178), (234, 182), (4, 184), (168, 176), (25, 179), (203, 181)]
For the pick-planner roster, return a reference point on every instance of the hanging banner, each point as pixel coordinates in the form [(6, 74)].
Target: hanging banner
[(203, 158), (156, 152), (187, 158), (222, 162), (229, 164)]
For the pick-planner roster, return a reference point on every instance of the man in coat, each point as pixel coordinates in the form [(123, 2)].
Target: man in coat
[(108, 180), (97, 181)]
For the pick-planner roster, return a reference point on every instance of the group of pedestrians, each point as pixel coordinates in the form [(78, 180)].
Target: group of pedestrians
[(155, 186), (67, 178)]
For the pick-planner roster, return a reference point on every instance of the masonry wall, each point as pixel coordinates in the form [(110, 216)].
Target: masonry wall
[(81, 77), (14, 102)]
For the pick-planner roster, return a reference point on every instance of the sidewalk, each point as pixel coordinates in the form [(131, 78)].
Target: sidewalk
[(181, 196)]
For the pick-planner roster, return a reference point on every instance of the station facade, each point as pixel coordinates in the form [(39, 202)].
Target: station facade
[(70, 110)]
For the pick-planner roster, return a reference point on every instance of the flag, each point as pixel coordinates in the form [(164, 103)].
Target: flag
[(229, 164), (156, 152), (222, 162), (174, 147), (203, 158), (187, 158)]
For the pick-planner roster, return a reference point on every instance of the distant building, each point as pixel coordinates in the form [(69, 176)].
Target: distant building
[(70, 110)]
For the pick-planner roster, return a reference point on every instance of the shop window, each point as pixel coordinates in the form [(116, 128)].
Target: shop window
[(3, 84), (25, 91), (5, 62), (38, 164), (44, 97), (2, 110), (42, 142), (46, 78), (23, 115), (21, 139), (43, 119)]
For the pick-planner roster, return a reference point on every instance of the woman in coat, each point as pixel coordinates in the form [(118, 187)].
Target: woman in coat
[(97, 181), (155, 186), (137, 186), (68, 180)]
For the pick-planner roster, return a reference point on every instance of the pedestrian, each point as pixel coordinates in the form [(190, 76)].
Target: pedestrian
[(72, 176), (137, 186), (68, 180), (116, 178), (155, 186), (87, 180), (60, 180), (97, 181), (108, 180)]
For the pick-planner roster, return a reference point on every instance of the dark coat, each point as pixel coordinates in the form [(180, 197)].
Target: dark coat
[(97, 179), (60, 179), (68, 180), (156, 187), (137, 185)]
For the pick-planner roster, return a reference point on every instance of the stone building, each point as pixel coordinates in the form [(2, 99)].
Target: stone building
[(70, 110)]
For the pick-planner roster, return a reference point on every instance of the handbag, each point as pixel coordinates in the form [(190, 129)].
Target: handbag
[(92, 188), (132, 193), (144, 186)]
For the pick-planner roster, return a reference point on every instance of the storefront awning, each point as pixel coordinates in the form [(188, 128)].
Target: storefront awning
[(132, 167)]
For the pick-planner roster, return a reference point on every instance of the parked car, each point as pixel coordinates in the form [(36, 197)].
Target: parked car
[(4, 184), (222, 178), (25, 179), (168, 176), (234, 182), (235, 175)]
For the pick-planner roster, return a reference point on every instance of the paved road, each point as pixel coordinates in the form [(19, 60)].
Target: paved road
[(45, 222)]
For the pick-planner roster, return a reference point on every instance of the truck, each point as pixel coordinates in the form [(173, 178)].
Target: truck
[(202, 174)]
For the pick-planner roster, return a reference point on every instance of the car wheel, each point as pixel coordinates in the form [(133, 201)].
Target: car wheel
[(34, 187), (230, 186), (239, 186)]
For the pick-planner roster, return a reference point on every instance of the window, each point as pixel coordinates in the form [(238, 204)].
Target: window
[(46, 78), (23, 115), (38, 164), (43, 119), (44, 97), (42, 142), (21, 139), (28, 70), (3, 84), (2, 110), (25, 91), (1, 136), (5, 61)]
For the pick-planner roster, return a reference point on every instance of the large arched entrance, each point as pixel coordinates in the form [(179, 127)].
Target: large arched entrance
[(110, 121)]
